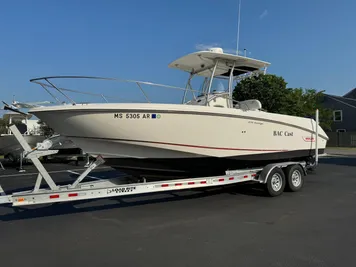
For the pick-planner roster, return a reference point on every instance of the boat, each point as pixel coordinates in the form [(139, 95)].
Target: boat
[(30, 129), (204, 135), (66, 147), (59, 142)]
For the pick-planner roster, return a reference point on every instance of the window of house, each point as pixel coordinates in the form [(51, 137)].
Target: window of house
[(337, 115), (341, 130)]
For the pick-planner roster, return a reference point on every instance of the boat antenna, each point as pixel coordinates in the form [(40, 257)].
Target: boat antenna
[(238, 29)]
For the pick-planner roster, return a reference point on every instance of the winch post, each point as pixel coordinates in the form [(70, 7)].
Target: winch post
[(35, 160)]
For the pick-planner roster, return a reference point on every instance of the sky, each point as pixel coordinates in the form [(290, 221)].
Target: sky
[(311, 43)]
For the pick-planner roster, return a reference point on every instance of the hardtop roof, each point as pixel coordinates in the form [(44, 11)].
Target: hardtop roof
[(202, 62)]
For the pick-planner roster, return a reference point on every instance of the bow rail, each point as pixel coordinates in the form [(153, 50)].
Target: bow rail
[(47, 83)]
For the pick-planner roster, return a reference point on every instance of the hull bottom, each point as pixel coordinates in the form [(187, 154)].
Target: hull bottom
[(176, 168)]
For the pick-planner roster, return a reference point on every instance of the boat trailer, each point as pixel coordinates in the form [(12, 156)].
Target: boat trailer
[(276, 177)]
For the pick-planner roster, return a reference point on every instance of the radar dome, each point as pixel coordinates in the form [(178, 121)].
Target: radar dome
[(216, 50)]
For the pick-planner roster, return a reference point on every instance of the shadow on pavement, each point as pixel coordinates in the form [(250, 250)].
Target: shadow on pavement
[(64, 208), (339, 160)]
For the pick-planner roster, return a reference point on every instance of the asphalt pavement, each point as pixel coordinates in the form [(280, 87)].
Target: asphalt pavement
[(229, 226)]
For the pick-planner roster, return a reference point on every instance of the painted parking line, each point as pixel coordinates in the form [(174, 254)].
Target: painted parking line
[(89, 176), (50, 172)]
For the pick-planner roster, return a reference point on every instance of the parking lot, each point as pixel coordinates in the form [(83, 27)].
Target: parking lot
[(230, 226)]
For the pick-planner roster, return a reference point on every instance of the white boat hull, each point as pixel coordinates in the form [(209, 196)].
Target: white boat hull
[(161, 132)]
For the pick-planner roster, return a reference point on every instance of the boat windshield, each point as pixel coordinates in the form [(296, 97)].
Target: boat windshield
[(217, 86), (198, 87)]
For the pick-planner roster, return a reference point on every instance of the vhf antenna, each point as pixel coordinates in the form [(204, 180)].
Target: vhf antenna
[(238, 30)]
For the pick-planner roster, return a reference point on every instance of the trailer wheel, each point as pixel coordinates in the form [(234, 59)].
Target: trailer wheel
[(275, 183), (295, 177), (12, 158)]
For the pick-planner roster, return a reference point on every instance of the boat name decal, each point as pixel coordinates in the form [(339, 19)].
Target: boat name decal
[(256, 122), (137, 116), (121, 190), (308, 139), (282, 133)]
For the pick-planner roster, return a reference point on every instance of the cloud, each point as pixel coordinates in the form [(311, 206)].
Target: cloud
[(264, 14)]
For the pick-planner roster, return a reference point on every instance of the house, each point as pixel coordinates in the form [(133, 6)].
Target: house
[(343, 128), (351, 94), (344, 111)]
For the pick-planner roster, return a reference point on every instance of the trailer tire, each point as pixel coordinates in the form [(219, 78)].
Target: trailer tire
[(275, 182), (295, 178), (12, 158)]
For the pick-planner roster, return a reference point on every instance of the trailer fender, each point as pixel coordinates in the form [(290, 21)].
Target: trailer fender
[(268, 168)]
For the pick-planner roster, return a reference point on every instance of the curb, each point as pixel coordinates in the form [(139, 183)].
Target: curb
[(337, 155)]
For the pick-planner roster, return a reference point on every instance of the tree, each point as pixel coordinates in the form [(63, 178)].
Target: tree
[(304, 104), (3, 126), (270, 89), (45, 129), (275, 97)]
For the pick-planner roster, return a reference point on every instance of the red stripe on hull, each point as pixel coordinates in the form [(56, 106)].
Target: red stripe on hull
[(183, 145), (208, 147)]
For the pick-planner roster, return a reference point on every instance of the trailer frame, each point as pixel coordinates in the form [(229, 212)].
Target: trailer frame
[(276, 177)]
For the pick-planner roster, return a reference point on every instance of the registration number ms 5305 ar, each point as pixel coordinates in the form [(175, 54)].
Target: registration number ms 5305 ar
[(137, 116)]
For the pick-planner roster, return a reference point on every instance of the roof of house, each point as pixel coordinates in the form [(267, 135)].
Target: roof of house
[(344, 100), (351, 94)]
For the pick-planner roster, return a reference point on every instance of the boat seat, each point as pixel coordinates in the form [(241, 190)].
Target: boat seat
[(250, 104)]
